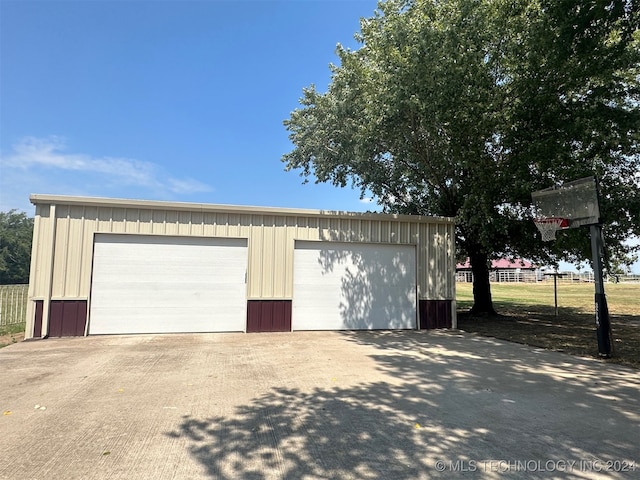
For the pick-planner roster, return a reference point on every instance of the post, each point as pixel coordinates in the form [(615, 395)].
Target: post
[(555, 291), (603, 327)]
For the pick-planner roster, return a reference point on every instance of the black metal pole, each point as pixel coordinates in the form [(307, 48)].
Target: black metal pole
[(555, 291), (603, 327)]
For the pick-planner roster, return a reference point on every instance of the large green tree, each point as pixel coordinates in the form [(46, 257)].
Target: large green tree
[(462, 108), (16, 232)]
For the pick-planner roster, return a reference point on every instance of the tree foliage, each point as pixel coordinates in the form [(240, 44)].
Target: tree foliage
[(16, 232), (462, 108)]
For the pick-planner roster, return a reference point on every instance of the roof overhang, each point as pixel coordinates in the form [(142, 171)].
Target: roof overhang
[(44, 199)]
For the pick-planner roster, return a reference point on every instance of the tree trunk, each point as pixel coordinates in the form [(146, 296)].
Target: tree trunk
[(482, 302)]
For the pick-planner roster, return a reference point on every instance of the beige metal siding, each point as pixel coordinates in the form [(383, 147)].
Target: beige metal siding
[(271, 244), (41, 251), (271, 236)]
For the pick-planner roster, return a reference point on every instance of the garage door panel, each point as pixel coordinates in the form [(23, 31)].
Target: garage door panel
[(150, 284), (354, 286)]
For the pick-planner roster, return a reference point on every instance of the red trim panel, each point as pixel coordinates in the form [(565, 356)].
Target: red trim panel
[(67, 318), (268, 316), (37, 324), (435, 314)]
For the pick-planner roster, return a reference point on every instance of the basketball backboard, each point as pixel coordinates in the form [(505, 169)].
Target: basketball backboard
[(575, 201)]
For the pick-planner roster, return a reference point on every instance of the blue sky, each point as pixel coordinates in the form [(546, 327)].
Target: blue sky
[(165, 100)]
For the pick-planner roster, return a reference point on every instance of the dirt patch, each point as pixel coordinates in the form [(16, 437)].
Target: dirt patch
[(10, 338), (571, 332)]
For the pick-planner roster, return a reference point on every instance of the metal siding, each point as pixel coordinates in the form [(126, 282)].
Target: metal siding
[(37, 325), (279, 266), (69, 253), (132, 220), (254, 282), (145, 224), (41, 252), (219, 226), (267, 256), (435, 314), (68, 318), (227, 225), (287, 274), (104, 219), (197, 224), (61, 244), (271, 267), (40, 269), (118, 220), (302, 228), (89, 225), (31, 317), (335, 233), (184, 223), (244, 225), (268, 316), (75, 252), (171, 223), (55, 320), (271, 244), (314, 229), (208, 224)]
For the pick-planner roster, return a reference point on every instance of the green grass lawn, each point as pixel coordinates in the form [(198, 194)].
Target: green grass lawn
[(13, 308), (623, 298), (11, 333), (527, 315)]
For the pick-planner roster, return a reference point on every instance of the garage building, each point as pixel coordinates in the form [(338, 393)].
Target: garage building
[(114, 266)]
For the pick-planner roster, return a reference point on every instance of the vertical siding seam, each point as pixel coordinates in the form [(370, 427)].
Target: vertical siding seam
[(35, 256), (65, 256), (49, 288), (81, 268), (288, 259), (274, 258), (257, 265)]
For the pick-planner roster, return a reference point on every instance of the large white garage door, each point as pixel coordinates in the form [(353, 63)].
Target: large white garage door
[(157, 284), (351, 286)]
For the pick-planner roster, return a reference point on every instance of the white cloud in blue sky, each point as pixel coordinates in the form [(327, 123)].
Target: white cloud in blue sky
[(48, 163), (52, 154), (166, 100)]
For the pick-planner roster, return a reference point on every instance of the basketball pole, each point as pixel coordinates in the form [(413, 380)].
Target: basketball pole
[(603, 326)]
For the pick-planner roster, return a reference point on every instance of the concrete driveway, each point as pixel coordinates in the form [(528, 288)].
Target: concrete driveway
[(380, 405)]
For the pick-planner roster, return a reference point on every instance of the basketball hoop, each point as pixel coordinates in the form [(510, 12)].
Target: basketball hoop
[(549, 226)]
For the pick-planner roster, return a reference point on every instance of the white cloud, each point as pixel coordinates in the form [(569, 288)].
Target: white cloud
[(186, 185), (42, 159)]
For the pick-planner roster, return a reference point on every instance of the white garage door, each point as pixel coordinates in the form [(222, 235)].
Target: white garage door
[(156, 284), (347, 286)]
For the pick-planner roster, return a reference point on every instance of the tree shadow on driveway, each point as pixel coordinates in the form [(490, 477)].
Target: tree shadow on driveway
[(469, 402)]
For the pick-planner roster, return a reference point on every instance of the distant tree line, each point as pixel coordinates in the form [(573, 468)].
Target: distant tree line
[(16, 233)]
